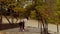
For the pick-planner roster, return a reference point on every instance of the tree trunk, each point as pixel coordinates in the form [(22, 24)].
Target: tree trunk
[(38, 24), (41, 29), (0, 19), (57, 29), (45, 26), (7, 19), (12, 19)]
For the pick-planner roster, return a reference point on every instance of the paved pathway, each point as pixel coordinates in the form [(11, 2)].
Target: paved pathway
[(29, 30), (16, 31)]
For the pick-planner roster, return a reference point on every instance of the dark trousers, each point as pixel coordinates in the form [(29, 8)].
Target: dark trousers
[(21, 25)]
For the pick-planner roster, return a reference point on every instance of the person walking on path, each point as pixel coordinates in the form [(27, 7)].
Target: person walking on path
[(22, 24)]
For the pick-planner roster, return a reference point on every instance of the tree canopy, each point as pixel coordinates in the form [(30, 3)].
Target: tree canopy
[(49, 9)]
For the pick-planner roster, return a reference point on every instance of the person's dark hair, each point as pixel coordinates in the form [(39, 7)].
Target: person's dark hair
[(27, 18)]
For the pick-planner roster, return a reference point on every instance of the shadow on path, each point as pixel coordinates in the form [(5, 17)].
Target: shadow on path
[(8, 26)]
